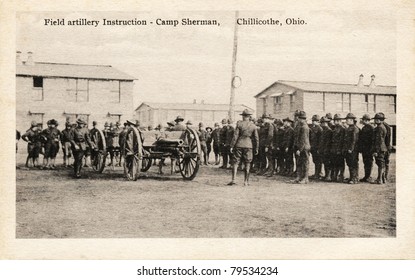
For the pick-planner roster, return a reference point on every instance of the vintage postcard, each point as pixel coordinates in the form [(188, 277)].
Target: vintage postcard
[(197, 131)]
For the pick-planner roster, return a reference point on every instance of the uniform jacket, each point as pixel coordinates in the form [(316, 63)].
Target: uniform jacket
[(229, 135), (52, 135), (32, 136), (202, 135), (245, 136), (325, 140), (278, 139), (302, 137), (65, 135), (337, 139), (266, 134), (351, 139), (388, 137), (288, 138), (108, 137), (209, 138), (216, 136), (379, 135), (81, 138), (222, 137), (315, 135), (366, 139)]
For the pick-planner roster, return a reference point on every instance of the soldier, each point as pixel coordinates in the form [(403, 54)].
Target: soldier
[(179, 126), (244, 140), (267, 142), (331, 121), (388, 140), (66, 144), (209, 141), (365, 147), (202, 133), (108, 140), (80, 139), (302, 146), (288, 147), (225, 155), (116, 143), (337, 141), (229, 136), (216, 143), (324, 148), (122, 138), (379, 148), (351, 149), (315, 135), (278, 149), (188, 125), (52, 138), (263, 144), (34, 144)]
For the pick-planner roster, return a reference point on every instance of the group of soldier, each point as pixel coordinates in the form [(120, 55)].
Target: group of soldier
[(270, 146)]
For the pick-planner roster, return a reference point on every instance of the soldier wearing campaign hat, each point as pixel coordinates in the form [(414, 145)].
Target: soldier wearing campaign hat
[(324, 148), (216, 143), (66, 144), (80, 140), (266, 134), (223, 150), (315, 135), (351, 149), (388, 140), (51, 137), (288, 147), (365, 147), (34, 144), (337, 141), (203, 135), (277, 146), (178, 124), (379, 148), (302, 148)]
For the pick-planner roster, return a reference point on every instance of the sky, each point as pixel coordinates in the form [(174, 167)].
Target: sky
[(183, 63)]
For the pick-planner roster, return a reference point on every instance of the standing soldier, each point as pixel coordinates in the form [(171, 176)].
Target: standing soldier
[(116, 143), (288, 147), (202, 133), (351, 141), (225, 155), (267, 142), (324, 148), (34, 144), (296, 131), (278, 147), (379, 148), (209, 141), (80, 139), (315, 135), (216, 143), (52, 136), (337, 141), (365, 147), (388, 140), (230, 131), (66, 144), (178, 126), (302, 145), (244, 140), (331, 121)]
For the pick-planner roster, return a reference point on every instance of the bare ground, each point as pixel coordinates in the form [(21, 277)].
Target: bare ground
[(51, 204)]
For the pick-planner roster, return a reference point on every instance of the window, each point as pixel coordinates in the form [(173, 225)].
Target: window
[(392, 103), (38, 82), (37, 117), (77, 90), (115, 91), (37, 91), (277, 104), (370, 103), (292, 101)]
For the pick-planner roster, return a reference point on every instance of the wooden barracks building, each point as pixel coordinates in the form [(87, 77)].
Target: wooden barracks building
[(283, 98), (150, 113), (59, 90)]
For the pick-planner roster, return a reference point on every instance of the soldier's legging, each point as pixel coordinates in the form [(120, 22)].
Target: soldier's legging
[(381, 159), (317, 160), (78, 156), (225, 155), (326, 159), (279, 156), (352, 161), (337, 163), (289, 162), (262, 158), (302, 165), (368, 163)]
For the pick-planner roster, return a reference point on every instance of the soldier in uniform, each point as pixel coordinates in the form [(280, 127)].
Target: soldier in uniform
[(267, 142), (324, 148), (278, 148), (52, 138), (296, 131), (288, 147), (315, 135), (116, 143), (351, 148), (223, 133), (202, 133), (188, 125), (264, 128), (302, 146), (216, 143), (388, 143), (379, 148), (209, 141), (365, 147), (337, 141), (179, 126), (34, 144), (244, 141), (66, 144), (331, 121), (229, 136), (80, 139)]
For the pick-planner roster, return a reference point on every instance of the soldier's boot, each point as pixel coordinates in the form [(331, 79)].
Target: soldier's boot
[(334, 174), (327, 176), (386, 173), (379, 178), (352, 175), (341, 175), (234, 171), (271, 169), (246, 176), (316, 172), (365, 178)]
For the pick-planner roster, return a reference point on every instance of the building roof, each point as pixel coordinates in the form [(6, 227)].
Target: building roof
[(193, 106), (64, 70), (332, 87)]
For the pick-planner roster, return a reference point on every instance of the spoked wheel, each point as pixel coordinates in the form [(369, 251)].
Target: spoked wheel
[(189, 160), (146, 164), (98, 157), (133, 154)]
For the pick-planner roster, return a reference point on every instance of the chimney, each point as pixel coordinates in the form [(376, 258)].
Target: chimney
[(29, 60), (194, 101), (18, 58), (360, 82), (372, 81)]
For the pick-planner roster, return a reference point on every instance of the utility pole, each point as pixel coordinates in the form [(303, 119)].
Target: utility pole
[(233, 86)]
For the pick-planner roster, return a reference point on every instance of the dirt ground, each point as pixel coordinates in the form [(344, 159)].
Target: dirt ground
[(51, 204)]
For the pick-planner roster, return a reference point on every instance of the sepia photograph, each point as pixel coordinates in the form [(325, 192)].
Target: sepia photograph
[(206, 124)]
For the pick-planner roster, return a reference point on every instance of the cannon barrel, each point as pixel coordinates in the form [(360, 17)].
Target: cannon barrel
[(169, 142)]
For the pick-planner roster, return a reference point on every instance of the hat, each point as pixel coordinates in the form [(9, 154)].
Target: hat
[(216, 124), (33, 123), (382, 114), (68, 124), (137, 123), (329, 116), (224, 121), (189, 123), (106, 124), (315, 118), (246, 113), (337, 117), (201, 124), (94, 123), (287, 119), (350, 116), (297, 113), (179, 119), (80, 121), (324, 119), (302, 115), (131, 122), (366, 117), (209, 128), (379, 116), (170, 124)]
